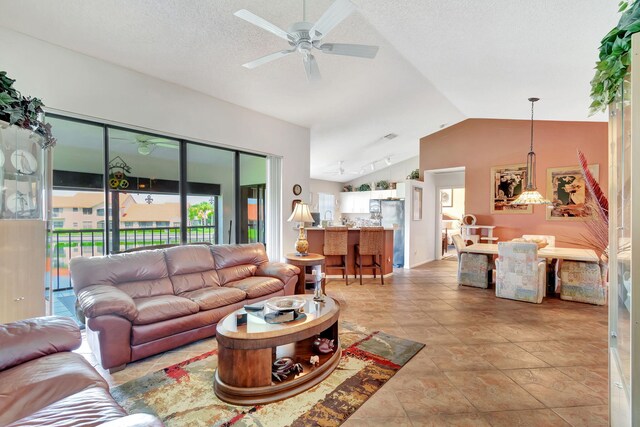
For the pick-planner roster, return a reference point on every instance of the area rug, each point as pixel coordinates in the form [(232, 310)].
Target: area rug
[(182, 394)]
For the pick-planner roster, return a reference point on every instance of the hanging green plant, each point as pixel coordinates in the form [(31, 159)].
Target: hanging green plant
[(25, 112), (614, 58)]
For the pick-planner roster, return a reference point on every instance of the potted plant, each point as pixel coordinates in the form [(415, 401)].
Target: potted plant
[(24, 112), (364, 187), (382, 185), (415, 174)]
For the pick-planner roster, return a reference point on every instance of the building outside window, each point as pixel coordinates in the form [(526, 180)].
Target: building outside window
[(56, 212), (145, 224), (87, 224), (58, 224), (100, 211), (75, 209), (87, 211), (162, 223)]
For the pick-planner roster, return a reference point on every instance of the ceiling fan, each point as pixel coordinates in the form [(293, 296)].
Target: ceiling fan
[(341, 171), (304, 36), (148, 143)]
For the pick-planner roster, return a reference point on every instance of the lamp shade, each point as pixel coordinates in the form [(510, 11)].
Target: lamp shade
[(530, 197), (301, 213)]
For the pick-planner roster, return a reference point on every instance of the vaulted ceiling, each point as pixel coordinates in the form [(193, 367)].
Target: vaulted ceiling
[(440, 62)]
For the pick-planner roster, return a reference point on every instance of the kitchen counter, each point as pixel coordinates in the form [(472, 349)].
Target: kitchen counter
[(315, 236)]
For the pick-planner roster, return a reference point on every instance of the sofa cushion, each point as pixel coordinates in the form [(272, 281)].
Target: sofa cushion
[(210, 298), (147, 288), (86, 408), (231, 255), (163, 307), (33, 385), (236, 272), (32, 338), (147, 267), (257, 286), (191, 267)]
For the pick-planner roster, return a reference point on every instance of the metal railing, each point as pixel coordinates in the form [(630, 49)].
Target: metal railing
[(67, 244)]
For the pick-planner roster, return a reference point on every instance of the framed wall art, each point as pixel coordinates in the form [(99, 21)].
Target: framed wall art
[(417, 204), (507, 182), (567, 190), (446, 197)]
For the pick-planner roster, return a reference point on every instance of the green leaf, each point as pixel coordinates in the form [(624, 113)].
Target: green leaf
[(622, 6), (6, 99)]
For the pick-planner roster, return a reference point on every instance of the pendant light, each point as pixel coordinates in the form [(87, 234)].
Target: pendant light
[(530, 195)]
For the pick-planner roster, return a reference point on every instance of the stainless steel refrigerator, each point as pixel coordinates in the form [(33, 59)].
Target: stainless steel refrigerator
[(392, 213)]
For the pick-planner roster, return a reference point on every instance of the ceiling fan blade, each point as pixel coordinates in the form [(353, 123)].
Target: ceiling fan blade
[(359, 50), (311, 67), (334, 15), (267, 58), (164, 144), (263, 23)]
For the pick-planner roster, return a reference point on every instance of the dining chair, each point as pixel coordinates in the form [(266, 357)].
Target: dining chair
[(520, 274), (581, 281), (371, 244), (473, 269), (335, 243)]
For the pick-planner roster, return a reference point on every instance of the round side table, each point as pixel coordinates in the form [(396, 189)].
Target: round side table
[(303, 262)]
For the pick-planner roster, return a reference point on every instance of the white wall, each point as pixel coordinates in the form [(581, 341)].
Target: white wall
[(394, 173), (418, 234), (436, 180), (76, 84), (328, 187)]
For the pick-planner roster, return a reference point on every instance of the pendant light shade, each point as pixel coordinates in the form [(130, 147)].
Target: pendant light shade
[(531, 195)]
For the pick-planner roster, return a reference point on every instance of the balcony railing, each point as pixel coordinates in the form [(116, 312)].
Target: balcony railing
[(67, 244)]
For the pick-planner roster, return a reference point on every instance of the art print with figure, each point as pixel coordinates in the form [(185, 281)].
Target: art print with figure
[(567, 190), (507, 182)]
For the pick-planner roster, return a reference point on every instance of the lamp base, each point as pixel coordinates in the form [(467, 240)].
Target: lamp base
[(302, 245)]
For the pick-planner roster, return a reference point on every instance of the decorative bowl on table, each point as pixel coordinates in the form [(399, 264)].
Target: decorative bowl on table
[(287, 303)]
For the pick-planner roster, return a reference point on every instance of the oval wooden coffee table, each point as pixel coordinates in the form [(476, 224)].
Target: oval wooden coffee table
[(246, 353)]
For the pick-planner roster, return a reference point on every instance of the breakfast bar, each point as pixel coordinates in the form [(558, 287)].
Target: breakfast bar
[(315, 236)]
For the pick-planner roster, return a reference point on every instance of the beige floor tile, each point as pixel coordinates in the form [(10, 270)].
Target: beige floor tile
[(585, 416), (455, 420), (383, 404), (492, 391), (432, 394), (553, 388), (568, 353), (475, 334), (594, 377), (540, 417), (508, 356), (377, 422)]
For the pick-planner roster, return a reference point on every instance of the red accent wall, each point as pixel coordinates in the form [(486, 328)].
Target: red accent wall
[(480, 144)]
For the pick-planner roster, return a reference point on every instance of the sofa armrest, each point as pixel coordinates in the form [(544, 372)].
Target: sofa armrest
[(33, 338), (279, 270), (134, 420), (99, 300)]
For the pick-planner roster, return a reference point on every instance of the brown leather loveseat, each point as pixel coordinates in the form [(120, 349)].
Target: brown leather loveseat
[(43, 383), (143, 303)]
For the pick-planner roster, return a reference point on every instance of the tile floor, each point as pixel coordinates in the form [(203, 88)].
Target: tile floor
[(487, 361)]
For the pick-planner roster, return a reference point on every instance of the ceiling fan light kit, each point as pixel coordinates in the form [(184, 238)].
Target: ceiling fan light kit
[(304, 37)]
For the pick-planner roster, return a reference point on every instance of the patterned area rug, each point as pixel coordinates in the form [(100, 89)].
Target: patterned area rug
[(182, 394)]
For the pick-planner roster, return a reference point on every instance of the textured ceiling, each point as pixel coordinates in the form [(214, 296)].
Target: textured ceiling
[(439, 62)]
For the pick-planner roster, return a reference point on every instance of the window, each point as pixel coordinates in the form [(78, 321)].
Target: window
[(75, 224), (145, 223), (326, 205), (162, 223), (57, 212), (75, 209), (87, 224), (58, 224), (127, 224), (100, 211), (87, 211), (101, 224)]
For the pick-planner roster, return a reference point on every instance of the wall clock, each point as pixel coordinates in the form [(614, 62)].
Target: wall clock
[(297, 189)]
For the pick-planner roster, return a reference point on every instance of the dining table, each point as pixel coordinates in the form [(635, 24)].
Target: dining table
[(549, 252)]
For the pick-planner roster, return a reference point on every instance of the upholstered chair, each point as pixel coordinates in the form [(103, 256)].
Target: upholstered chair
[(520, 275), (582, 281), (473, 269)]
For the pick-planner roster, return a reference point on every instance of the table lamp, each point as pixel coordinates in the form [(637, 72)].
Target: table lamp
[(301, 214)]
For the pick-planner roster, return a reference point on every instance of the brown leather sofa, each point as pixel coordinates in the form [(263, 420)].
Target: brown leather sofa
[(43, 383), (143, 303)]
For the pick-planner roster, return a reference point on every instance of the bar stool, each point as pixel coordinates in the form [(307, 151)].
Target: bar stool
[(335, 243), (371, 244)]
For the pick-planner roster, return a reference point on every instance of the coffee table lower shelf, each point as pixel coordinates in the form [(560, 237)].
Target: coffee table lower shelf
[(276, 391)]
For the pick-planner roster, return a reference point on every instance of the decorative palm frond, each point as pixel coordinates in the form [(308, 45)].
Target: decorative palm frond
[(596, 193)]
